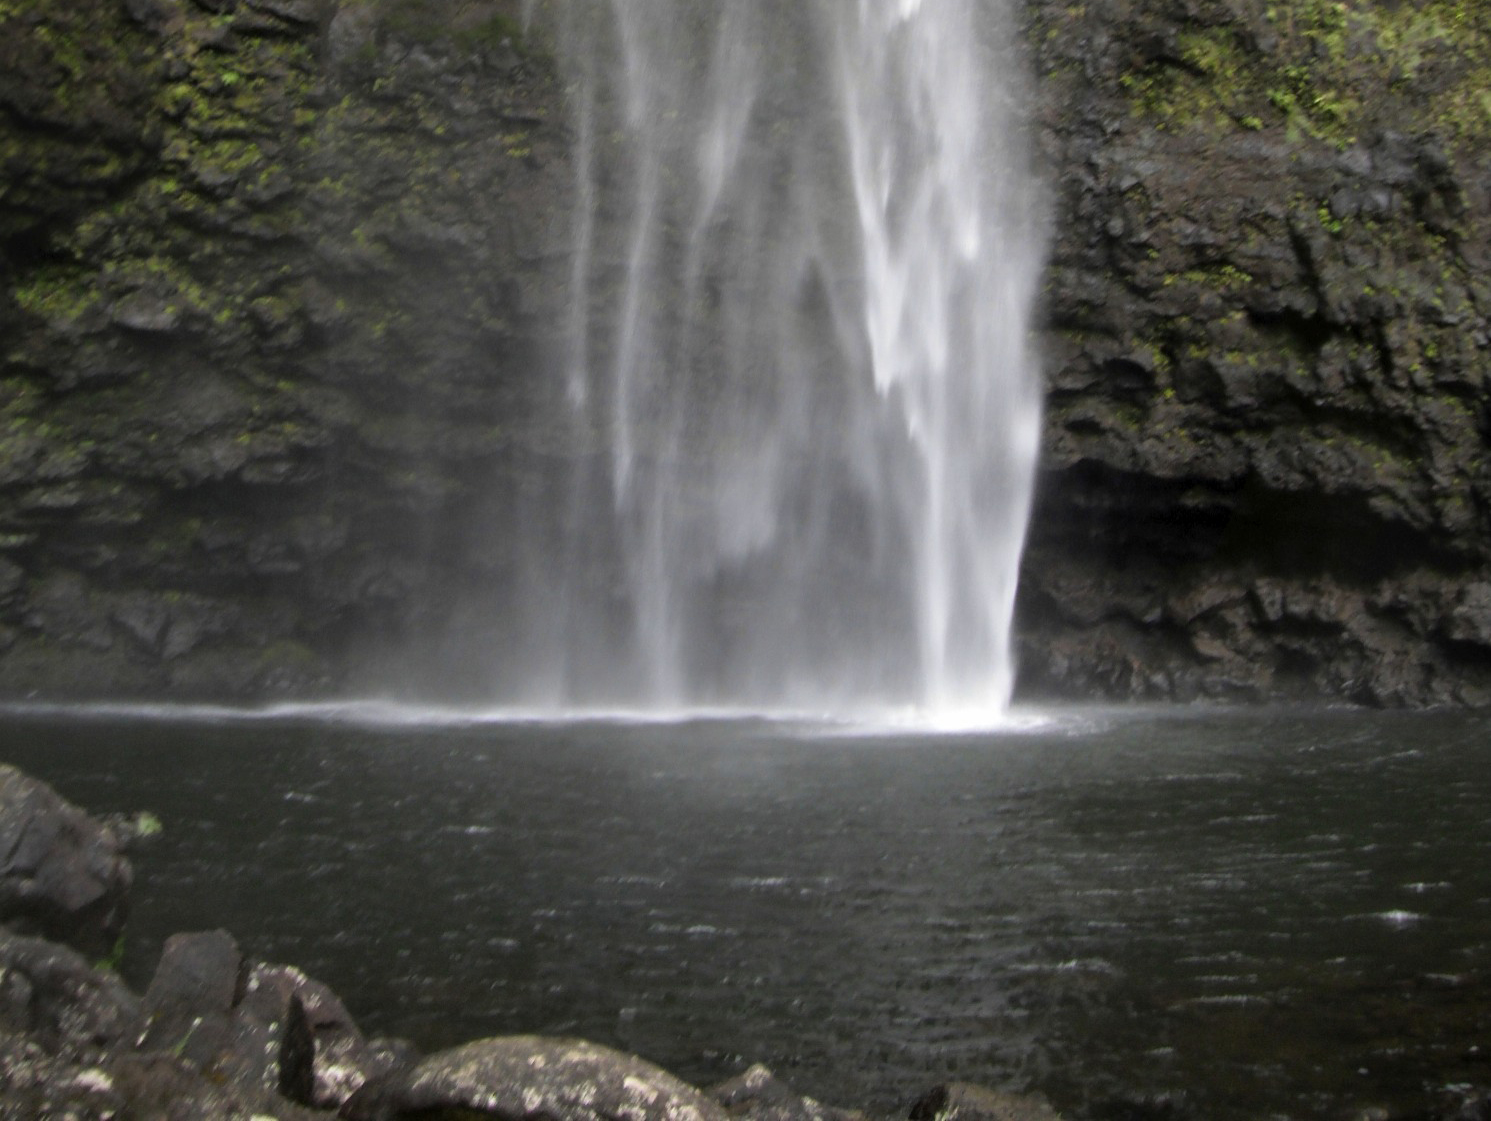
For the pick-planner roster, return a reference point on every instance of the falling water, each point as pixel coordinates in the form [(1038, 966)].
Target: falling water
[(806, 246)]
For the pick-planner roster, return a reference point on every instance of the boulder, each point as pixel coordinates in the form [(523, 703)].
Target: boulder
[(759, 1095), (53, 995), (267, 1030), (965, 1101), (35, 1084), (334, 1060), (170, 1088), (189, 1002), (63, 875), (519, 1077)]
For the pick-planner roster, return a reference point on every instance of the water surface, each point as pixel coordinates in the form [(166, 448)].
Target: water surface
[(1255, 913)]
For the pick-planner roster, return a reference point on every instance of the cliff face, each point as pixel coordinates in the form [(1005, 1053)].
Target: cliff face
[(1266, 469), (279, 279), (272, 274)]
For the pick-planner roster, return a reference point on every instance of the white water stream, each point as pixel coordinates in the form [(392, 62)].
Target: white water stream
[(806, 247)]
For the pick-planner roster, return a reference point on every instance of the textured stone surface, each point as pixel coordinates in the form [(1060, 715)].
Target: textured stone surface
[(529, 1076), (268, 1030), (324, 1057), (966, 1101), (759, 1095), (61, 1001), (1265, 454), (63, 874)]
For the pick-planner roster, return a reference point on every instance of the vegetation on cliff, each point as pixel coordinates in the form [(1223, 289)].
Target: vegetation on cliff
[(260, 271), (1268, 352)]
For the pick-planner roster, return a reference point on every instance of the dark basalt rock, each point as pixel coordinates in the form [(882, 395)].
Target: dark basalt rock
[(162, 1085), (34, 1084), (268, 1030), (190, 1001), (251, 385), (1266, 346), (325, 1059), (520, 1077), (758, 1095), (63, 875), (966, 1101), (57, 998)]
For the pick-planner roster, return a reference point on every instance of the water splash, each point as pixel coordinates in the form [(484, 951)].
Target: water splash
[(807, 244)]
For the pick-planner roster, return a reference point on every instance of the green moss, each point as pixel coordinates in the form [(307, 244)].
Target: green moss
[(493, 31), (1221, 276), (114, 959), (1431, 60), (233, 156), (58, 292)]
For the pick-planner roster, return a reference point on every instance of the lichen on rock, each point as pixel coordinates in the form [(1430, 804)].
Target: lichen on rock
[(1267, 350)]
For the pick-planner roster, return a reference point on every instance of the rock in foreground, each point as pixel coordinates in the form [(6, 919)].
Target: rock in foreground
[(528, 1076), (63, 875)]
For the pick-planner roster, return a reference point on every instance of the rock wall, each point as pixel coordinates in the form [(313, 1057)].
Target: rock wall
[(279, 281), (1266, 471), (272, 279)]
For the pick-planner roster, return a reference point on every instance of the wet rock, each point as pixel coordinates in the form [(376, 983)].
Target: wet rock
[(166, 1086), (61, 1001), (204, 1007), (64, 606), (146, 312), (267, 1030), (325, 1058), (758, 1095), (189, 1002), (154, 14), (351, 33), (528, 1076), (63, 875), (162, 276), (1474, 1105), (34, 1084), (12, 577), (965, 1101), (307, 12), (1470, 620), (1217, 416)]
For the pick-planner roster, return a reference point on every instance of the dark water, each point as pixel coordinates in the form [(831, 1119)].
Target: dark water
[(1257, 913)]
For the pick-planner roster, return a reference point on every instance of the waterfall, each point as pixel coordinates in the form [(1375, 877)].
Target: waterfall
[(806, 244)]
